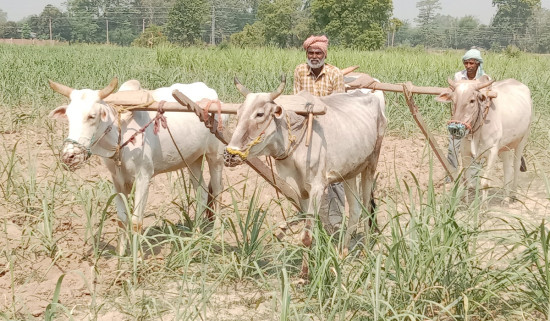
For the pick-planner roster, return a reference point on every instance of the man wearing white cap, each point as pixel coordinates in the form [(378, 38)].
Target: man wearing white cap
[(473, 62)]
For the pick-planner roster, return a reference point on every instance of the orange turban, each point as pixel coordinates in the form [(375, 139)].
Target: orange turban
[(317, 42)]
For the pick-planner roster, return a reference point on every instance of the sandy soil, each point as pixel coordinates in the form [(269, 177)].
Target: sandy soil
[(28, 276)]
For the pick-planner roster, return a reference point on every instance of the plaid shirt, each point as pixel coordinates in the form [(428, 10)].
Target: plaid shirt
[(330, 80)]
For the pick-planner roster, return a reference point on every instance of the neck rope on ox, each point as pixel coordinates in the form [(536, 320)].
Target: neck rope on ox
[(93, 142), (476, 120), (292, 143), (244, 154), (158, 120)]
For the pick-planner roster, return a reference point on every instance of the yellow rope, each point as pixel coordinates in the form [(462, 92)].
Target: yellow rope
[(244, 154)]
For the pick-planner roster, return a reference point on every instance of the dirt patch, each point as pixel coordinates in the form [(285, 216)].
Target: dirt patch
[(30, 269)]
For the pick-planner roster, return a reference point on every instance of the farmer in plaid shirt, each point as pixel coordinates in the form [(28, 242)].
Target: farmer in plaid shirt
[(322, 79), (315, 76)]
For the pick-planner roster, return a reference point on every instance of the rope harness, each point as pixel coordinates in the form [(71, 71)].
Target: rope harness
[(474, 123), (206, 115), (244, 154), (292, 143), (288, 150)]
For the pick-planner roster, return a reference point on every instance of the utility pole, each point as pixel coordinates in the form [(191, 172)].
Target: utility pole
[(51, 38), (212, 31), (107, 25)]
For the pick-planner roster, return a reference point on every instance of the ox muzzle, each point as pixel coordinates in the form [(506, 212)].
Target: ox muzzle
[(232, 159), (457, 130), (74, 154)]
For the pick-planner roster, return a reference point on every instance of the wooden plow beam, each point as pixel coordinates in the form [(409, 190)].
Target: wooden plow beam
[(255, 163), (140, 100), (408, 89)]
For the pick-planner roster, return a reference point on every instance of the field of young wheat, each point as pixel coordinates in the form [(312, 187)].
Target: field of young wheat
[(435, 256)]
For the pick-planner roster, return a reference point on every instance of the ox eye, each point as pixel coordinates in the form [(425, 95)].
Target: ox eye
[(260, 114), (472, 101), (90, 117)]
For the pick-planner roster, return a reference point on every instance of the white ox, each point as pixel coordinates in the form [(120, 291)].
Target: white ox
[(346, 142), (93, 129), (490, 127)]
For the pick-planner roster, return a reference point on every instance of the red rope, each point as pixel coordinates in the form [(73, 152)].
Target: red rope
[(159, 120), (206, 110)]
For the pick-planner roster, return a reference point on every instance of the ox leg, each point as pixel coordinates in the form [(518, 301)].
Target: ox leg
[(352, 195), (367, 184), (487, 174), (122, 189), (508, 168), (215, 186), (140, 201), (518, 154), (201, 192), (310, 210)]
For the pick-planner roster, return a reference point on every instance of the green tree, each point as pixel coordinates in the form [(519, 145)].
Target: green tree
[(352, 23), (279, 18), (3, 17), (26, 31), (230, 16), (83, 16), (151, 37), (250, 36), (511, 20), (59, 24), (186, 20), (538, 33), (394, 25), (427, 13), (10, 30), (467, 33)]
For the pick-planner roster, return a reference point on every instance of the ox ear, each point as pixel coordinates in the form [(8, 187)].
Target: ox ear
[(103, 113), (278, 112), (59, 113), (445, 97), (484, 78)]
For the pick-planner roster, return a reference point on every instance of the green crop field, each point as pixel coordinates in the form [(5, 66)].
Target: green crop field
[(436, 256)]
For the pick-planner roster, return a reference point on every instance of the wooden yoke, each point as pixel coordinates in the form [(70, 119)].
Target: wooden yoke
[(366, 81), (141, 100), (256, 164)]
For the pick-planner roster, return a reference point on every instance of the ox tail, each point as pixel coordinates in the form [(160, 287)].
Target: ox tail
[(210, 204), (523, 166), (208, 222)]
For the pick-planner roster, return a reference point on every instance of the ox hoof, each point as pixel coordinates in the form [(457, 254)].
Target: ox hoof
[(344, 253), (301, 282)]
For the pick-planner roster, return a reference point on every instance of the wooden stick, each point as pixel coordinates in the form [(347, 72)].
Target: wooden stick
[(141, 101), (422, 125), (349, 69), (256, 164), (309, 128), (366, 81)]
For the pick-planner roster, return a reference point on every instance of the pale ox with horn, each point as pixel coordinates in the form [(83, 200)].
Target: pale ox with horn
[(490, 127), (94, 128), (345, 143)]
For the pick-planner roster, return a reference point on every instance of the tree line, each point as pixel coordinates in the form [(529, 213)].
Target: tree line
[(365, 25)]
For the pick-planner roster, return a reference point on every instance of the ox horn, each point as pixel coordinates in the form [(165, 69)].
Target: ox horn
[(242, 89), (109, 89), (452, 83), (62, 89), (484, 84), (280, 89)]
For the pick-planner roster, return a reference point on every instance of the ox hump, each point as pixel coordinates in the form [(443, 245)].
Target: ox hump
[(195, 91)]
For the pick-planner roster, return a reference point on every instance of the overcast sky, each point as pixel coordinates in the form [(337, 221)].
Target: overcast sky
[(402, 9)]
